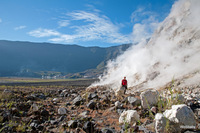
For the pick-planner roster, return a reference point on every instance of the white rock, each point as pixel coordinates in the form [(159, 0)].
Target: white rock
[(117, 104), (129, 116), (56, 100), (181, 114), (62, 111), (149, 98), (160, 123), (134, 101), (64, 90), (34, 107), (7, 91)]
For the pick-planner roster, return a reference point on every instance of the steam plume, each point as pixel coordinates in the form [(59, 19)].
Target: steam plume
[(172, 52)]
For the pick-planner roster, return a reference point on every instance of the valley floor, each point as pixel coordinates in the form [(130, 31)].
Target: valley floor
[(67, 106)]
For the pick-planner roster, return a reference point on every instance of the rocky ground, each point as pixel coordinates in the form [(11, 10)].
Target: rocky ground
[(73, 108)]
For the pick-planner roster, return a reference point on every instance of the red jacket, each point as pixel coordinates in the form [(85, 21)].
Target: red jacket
[(124, 82)]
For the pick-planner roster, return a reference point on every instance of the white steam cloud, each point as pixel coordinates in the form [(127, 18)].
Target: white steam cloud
[(172, 52)]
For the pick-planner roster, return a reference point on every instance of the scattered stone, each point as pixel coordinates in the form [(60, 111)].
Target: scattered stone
[(154, 110), (15, 111), (30, 97), (54, 122), (61, 118), (91, 105), (41, 96), (84, 114), (149, 98), (88, 127), (112, 109), (62, 111), (129, 116), (7, 91), (105, 99), (72, 124), (118, 104), (92, 96), (107, 130), (134, 101), (56, 100), (44, 113), (34, 125), (34, 108), (77, 101)]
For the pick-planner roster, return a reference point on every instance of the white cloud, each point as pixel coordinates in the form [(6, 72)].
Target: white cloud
[(87, 26), (20, 27), (93, 26), (63, 23), (43, 33)]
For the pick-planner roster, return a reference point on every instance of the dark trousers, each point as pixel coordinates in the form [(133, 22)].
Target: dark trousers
[(125, 86)]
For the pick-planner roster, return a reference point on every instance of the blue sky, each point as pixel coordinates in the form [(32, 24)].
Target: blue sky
[(84, 22)]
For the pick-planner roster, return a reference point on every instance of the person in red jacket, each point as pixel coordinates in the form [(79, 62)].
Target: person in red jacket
[(124, 83)]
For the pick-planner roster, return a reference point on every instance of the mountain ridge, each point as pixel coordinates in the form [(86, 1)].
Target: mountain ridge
[(20, 58)]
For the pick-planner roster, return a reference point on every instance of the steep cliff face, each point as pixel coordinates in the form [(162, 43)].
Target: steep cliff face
[(172, 52)]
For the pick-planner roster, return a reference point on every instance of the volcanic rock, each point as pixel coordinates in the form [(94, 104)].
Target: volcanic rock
[(181, 114), (77, 101), (149, 98), (62, 111), (129, 116)]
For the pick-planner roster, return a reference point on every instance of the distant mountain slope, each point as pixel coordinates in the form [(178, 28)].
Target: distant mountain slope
[(36, 59)]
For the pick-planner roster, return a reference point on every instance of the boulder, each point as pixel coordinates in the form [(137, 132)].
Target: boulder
[(129, 116), (181, 114), (149, 98)]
